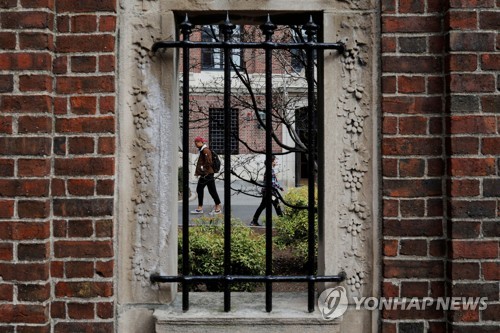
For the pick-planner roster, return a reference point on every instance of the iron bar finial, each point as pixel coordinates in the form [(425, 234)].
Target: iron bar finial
[(311, 29), (268, 28), (186, 28), (227, 28)]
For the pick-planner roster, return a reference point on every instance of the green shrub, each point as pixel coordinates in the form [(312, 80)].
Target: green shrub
[(206, 251), (292, 228)]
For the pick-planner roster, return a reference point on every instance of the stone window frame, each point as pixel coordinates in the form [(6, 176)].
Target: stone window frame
[(148, 131)]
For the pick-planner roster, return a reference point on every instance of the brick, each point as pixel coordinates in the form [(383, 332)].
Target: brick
[(38, 4), (85, 43), (473, 124), (38, 83), (104, 269), (85, 85), (6, 125), (8, 40), (106, 145), (412, 44), (83, 249), (103, 124), (490, 62), (33, 292), (60, 65), (24, 272), (412, 146), (83, 64), (60, 145), (6, 292), (471, 3), (411, 64), (24, 230), (33, 167), (29, 124), (24, 188), (390, 167), (390, 125), (64, 327), (6, 208), (411, 84), (105, 310), (489, 20), (464, 187), (413, 269), (106, 104), (6, 253), (36, 41), (463, 145), (81, 310), (84, 289), (83, 23), (462, 62), (83, 105), (81, 145), (412, 125), (83, 208), (437, 248), (79, 228), (392, 24), (472, 166), (414, 289), (474, 328), (461, 20), (31, 103), (389, 289), (412, 105), (33, 252), (21, 313), (472, 83), (58, 310), (104, 228), (412, 208), (107, 23), (34, 329), (472, 208), (86, 6), (411, 327), (33, 209), (435, 85), (106, 63), (491, 229), (413, 228), (6, 83), (26, 20), (491, 270), (388, 44), (411, 6), (79, 269), (413, 247), (474, 249), (474, 289), (491, 312), (390, 208), (105, 187), (463, 270), (81, 187), (490, 104), (491, 187), (6, 168), (412, 188), (8, 3), (388, 84), (84, 166), (471, 41), (463, 103)]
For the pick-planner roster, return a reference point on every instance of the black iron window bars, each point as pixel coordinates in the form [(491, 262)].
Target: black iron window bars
[(227, 45)]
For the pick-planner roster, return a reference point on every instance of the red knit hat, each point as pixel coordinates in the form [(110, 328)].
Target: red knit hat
[(199, 139)]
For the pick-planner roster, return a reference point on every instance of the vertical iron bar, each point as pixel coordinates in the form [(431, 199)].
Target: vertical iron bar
[(227, 30), (186, 31), (268, 30), (310, 29)]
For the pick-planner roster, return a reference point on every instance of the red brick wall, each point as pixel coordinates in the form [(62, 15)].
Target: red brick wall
[(57, 125), (440, 104)]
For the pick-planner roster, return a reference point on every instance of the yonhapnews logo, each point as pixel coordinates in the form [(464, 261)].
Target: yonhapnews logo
[(333, 303)]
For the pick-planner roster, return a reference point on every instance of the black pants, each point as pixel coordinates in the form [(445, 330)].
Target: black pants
[(209, 182), (262, 206)]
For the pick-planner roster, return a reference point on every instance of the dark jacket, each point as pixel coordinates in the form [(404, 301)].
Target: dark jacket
[(204, 164)]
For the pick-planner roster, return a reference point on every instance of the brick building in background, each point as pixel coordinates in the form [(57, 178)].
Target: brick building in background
[(439, 179)]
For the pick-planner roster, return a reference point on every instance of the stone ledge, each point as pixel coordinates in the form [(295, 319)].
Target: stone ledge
[(247, 315)]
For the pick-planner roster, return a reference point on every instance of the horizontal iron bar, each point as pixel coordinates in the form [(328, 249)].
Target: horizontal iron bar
[(241, 45), (248, 278)]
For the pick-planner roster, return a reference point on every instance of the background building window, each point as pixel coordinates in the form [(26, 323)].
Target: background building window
[(216, 130), (213, 59)]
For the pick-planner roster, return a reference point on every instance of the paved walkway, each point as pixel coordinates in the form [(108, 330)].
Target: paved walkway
[(242, 206)]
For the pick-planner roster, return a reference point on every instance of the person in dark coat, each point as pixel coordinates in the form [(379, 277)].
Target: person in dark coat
[(206, 178)]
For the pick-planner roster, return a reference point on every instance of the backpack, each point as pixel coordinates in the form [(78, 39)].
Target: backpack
[(215, 161)]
